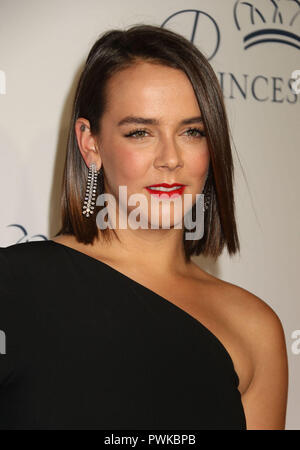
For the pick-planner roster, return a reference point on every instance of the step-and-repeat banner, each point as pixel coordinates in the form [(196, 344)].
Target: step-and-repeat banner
[(254, 48)]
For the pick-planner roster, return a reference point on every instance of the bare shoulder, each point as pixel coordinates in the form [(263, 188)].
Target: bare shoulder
[(255, 338), (261, 334), (249, 312), (258, 321)]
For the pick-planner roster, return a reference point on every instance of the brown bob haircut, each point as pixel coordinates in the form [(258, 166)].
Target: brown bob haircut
[(116, 50)]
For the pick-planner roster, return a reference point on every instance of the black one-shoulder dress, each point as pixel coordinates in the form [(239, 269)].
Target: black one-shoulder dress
[(83, 346)]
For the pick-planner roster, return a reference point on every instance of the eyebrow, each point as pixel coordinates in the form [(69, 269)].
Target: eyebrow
[(146, 121)]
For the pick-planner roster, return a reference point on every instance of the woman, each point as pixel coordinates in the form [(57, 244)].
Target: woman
[(117, 328)]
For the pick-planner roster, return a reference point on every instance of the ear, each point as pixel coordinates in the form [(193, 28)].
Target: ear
[(87, 143)]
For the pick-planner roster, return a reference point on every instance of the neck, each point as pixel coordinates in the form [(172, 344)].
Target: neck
[(158, 251)]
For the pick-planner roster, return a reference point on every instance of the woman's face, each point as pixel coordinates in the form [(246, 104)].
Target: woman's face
[(167, 151)]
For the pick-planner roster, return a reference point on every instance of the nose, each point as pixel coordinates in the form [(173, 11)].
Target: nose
[(168, 155)]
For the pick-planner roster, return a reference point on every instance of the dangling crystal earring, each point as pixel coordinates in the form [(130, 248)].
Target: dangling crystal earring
[(101, 180), (90, 194), (206, 199)]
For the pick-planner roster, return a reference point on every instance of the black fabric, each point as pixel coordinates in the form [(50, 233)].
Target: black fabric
[(89, 348)]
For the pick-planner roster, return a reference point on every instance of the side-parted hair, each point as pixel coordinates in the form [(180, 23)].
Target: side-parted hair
[(116, 50)]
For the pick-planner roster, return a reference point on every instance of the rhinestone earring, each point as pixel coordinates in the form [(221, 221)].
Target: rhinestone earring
[(206, 199), (101, 180), (90, 194)]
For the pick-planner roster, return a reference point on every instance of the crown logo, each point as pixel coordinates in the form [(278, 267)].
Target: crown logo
[(266, 21)]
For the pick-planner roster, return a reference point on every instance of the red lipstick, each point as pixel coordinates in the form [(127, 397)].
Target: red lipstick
[(169, 192)]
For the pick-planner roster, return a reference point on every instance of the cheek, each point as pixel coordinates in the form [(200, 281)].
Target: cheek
[(197, 165), (127, 166)]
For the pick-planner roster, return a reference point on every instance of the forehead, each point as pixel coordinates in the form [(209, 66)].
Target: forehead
[(151, 89)]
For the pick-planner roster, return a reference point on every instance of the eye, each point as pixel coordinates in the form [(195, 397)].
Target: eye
[(139, 133), (196, 130), (136, 133)]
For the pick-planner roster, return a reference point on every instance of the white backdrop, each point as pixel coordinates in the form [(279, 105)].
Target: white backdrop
[(43, 46)]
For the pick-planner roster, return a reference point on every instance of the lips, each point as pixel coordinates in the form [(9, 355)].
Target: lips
[(167, 189)]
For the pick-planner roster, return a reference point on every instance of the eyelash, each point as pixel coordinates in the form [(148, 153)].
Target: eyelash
[(133, 132)]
